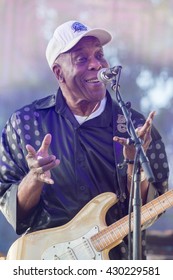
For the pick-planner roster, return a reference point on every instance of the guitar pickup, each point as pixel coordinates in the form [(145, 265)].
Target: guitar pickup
[(78, 249)]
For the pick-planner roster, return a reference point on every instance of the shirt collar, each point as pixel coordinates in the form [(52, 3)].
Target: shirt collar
[(58, 101), (47, 102)]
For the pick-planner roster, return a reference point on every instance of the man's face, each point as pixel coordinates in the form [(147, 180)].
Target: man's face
[(79, 68)]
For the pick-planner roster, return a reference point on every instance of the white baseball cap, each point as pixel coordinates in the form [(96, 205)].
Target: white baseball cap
[(68, 35)]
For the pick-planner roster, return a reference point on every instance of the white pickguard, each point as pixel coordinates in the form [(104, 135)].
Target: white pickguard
[(79, 249)]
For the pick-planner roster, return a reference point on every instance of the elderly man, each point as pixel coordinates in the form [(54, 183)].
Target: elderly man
[(59, 152)]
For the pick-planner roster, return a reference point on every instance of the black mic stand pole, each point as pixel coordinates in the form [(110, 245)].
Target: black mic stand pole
[(142, 161)]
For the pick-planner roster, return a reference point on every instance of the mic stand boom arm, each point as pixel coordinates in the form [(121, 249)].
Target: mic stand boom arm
[(142, 161)]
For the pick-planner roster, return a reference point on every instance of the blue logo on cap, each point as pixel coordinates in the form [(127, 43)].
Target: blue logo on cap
[(77, 27)]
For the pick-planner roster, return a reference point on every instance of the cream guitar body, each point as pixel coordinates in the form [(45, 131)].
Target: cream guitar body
[(86, 236)]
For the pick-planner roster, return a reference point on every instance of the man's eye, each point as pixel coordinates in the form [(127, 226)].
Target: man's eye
[(81, 59), (100, 56)]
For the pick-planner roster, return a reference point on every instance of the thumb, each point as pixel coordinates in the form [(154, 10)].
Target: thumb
[(31, 151)]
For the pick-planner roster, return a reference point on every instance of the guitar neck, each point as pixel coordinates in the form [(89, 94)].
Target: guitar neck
[(118, 230)]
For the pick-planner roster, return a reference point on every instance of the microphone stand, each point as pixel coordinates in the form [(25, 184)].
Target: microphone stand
[(141, 161)]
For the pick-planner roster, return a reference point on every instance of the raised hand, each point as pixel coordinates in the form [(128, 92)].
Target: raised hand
[(40, 162), (143, 132)]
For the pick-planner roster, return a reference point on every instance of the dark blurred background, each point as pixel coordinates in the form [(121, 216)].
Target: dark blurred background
[(142, 44)]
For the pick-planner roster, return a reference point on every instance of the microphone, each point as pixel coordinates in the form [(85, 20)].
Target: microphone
[(105, 75)]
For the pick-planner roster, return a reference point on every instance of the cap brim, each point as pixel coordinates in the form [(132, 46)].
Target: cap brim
[(103, 36)]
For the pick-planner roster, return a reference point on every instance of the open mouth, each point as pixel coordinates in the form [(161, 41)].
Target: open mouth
[(92, 81)]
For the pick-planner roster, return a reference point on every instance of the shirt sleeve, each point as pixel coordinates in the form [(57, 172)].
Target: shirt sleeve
[(158, 160), (13, 169), (157, 157), (159, 163)]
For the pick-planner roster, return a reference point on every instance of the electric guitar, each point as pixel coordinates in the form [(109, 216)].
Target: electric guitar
[(86, 236)]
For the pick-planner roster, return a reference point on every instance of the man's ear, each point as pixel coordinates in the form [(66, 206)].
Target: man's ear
[(58, 73)]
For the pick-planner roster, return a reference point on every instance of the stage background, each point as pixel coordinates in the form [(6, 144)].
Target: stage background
[(142, 44)]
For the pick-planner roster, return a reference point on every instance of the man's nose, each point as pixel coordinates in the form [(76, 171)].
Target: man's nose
[(94, 64)]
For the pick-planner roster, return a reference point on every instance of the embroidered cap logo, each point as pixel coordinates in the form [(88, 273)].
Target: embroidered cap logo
[(77, 27)]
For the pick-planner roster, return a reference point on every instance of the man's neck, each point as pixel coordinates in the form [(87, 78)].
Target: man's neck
[(83, 108)]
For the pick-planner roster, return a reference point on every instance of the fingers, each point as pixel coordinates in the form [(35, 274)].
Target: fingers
[(31, 151), (43, 161), (122, 141), (45, 164), (143, 132), (128, 149), (45, 178), (42, 165), (45, 145), (146, 128), (43, 149), (46, 142), (41, 168), (40, 162), (43, 171), (151, 116)]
